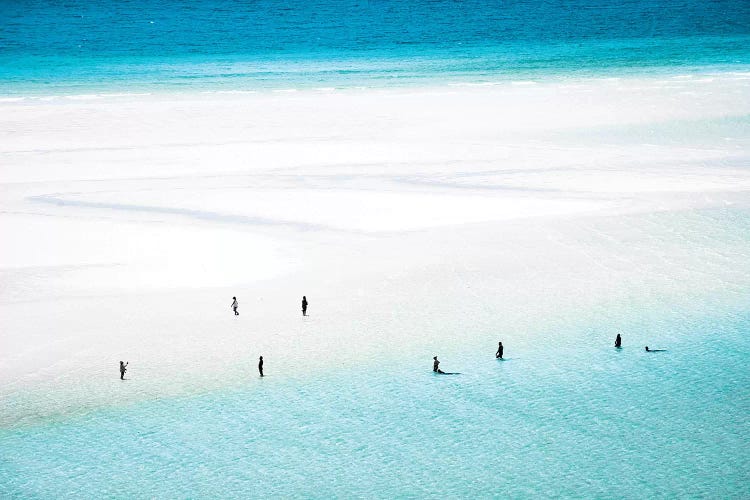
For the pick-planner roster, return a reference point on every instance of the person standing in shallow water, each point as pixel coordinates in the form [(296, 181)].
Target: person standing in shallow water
[(123, 369), (304, 305), (260, 366), (499, 353), (618, 341), (235, 305)]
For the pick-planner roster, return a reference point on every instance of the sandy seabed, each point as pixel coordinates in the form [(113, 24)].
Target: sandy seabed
[(417, 221)]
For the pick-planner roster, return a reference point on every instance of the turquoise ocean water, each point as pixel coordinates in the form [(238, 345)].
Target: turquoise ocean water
[(553, 420), (565, 415), (128, 46)]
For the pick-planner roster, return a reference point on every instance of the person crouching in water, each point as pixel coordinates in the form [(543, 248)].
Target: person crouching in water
[(123, 369), (436, 365)]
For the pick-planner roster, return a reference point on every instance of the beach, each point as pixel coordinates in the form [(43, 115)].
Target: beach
[(435, 177), (436, 219)]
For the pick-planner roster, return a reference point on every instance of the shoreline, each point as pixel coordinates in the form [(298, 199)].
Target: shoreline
[(362, 323), (27, 398), (426, 82)]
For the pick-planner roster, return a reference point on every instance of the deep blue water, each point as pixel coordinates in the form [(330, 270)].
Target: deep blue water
[(79, 45)]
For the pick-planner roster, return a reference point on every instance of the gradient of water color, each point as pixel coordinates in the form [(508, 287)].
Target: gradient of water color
[(565, 415), (82, 47)]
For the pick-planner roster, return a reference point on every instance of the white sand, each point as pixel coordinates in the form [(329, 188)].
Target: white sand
[(129, 222)]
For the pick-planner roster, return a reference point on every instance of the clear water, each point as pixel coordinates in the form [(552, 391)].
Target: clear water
[(77, 46), (564, 415), (554, 419)]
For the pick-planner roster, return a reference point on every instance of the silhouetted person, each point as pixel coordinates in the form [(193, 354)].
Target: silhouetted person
[(499, 353), (654, 350), (235, 305), (260, 366), (123, 369), (618, 341), (435, 365), (304, 306)]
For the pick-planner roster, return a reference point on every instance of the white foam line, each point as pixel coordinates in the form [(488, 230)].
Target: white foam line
[(236, 92), (83, 97), (126, 94)]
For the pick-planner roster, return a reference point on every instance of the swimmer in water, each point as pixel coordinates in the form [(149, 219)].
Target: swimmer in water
[(654, 350)]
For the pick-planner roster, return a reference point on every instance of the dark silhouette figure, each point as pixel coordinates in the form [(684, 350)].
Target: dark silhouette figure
[(260, 366), (654, 350), (618, 341), (123, 369), (436, 365), (304, 306), (235, 305), (499, 353)]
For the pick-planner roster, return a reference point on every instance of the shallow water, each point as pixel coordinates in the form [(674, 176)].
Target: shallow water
[(573, 417), (556, 173), (564, 414), (350, 406)]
